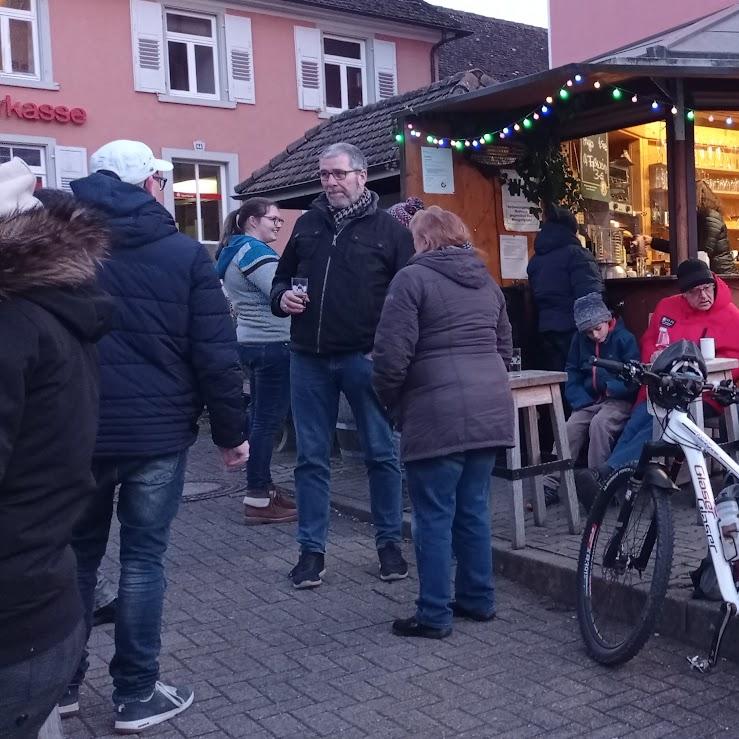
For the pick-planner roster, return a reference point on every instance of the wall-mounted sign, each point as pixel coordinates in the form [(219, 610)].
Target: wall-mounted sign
[(516, 208), (438, 170), (514, 257), (42, 112), (594, 167), (198, 145)]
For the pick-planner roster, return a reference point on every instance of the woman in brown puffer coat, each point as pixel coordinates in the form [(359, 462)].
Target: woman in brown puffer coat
[(440, 356)]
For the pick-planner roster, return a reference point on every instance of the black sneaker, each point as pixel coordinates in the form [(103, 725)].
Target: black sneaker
[(309, 570), (462, 612), (411, 627), (587, 485), (69, 704), (163, 704), (392, 564), (106, 614)]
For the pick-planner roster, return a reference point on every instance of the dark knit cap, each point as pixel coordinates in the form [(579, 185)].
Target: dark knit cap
[(693, 272), (590, 310), (403, 212)]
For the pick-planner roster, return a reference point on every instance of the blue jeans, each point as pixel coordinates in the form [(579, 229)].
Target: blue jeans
[(316, 383), (148, 500), (29, 690), (451, 515), (636, 433), (269, 387)]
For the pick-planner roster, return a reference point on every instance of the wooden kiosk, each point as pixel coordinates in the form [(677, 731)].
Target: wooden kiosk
[(637, 138)]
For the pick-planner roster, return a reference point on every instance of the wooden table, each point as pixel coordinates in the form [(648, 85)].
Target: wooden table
[(532, 388)]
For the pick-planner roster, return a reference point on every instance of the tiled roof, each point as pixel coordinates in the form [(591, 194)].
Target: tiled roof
[(503, 49), (370, 128), (414, 12)]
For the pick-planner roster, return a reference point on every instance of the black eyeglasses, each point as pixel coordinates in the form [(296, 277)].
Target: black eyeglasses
[(275, 219), (161, 181), (337, 174)]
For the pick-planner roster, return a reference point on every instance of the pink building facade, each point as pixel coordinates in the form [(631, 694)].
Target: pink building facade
[(215, 86), (582, 29)]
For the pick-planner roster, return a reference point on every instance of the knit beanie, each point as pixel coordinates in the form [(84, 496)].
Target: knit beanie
[(17, 184), (693, 272), (403, 212), (590, 310)]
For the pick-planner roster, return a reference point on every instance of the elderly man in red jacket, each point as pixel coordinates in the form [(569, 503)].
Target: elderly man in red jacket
[(702, 309)]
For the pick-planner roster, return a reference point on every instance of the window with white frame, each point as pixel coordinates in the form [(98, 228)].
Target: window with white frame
[(344, 73), (33, 156), (336, 73), (198, 199), (192, 54), (19, 53)]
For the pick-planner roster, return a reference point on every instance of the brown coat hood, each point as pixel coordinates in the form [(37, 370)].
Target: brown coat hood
[(47, 248)]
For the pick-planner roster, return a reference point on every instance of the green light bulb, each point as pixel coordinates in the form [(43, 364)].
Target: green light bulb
[(564, 94), (616, 94), (527, 123)]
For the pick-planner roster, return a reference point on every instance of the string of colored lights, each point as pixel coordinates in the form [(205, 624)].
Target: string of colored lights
[(528, 121)]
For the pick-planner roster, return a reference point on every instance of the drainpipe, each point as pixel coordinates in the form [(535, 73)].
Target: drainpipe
[(433, 58)]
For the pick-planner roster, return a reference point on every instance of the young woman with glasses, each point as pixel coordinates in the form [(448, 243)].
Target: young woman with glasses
[(246, 264)]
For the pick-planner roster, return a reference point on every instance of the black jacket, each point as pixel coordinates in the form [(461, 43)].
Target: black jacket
[(560, 272), (440, 356), (50, 317), (172, 346), (348, 275)]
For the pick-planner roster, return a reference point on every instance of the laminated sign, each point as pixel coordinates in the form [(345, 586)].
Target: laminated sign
[(438, 170), (517, 214)]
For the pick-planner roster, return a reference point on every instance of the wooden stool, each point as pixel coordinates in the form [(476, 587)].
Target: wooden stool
[(530, 389)]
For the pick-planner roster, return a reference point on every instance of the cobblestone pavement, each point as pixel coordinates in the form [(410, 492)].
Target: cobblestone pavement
[(268, 661)]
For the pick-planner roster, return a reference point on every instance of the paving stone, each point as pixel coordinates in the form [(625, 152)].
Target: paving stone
[(266, 660)]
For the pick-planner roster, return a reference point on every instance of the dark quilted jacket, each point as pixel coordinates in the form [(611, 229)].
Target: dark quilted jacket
[(440, 356), (560, 272), (172, 347), (713, 239)]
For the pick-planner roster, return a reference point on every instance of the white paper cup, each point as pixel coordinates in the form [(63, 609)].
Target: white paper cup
[(708, 348)]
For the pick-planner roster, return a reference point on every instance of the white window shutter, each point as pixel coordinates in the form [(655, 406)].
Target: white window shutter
[(308, 61), (70, 164), (148, 46), (239, 59), (386, 71)]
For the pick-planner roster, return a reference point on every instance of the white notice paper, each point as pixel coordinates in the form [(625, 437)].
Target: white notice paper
[(516, 208), (438, 170), (514, 257)]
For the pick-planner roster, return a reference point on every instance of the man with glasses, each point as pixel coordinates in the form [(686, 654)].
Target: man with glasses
[(703, 309), (332, 279), (172, 349)]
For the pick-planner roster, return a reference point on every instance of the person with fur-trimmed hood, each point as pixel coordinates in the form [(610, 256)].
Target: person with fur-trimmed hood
[(51, 315)]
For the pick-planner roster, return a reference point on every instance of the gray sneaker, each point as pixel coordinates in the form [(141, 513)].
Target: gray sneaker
[(163, 704)]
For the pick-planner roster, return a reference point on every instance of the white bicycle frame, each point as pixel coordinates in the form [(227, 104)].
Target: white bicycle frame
[(681, 430)]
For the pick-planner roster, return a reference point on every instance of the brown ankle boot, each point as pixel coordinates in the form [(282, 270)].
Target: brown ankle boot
[(272, 513)]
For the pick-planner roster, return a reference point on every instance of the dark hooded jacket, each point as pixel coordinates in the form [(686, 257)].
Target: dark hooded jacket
[(172, 346), (348, 275), (560, 272), (440, 356), (51, 315)]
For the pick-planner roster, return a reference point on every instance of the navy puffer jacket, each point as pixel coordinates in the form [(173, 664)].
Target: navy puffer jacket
[(560, 272), (172, 346)]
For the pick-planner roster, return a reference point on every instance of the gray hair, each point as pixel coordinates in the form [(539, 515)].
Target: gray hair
[(357, 160)]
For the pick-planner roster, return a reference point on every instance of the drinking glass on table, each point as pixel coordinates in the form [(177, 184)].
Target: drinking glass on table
[(515, 366)]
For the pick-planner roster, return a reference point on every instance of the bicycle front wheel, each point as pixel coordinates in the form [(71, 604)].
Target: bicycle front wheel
[(624, 568)]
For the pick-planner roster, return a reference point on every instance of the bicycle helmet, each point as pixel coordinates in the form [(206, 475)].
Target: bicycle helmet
[(683, 374)]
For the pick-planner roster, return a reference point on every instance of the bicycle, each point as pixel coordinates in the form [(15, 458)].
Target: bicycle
[(626, 550)]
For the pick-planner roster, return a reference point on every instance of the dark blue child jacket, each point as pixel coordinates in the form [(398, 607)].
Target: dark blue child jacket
[(587, 384)]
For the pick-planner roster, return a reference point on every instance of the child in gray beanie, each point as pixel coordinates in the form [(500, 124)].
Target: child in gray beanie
[(601, 403)]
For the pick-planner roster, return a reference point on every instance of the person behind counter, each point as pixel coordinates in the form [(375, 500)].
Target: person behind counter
[(560, 272), (713, 237)]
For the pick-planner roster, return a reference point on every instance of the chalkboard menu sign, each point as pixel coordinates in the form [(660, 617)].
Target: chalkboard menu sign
[(594, 167)]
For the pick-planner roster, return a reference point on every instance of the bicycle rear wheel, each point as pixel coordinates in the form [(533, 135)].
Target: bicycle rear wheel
[(624, 568)]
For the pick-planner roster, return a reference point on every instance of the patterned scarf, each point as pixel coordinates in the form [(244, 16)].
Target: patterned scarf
[(356, 209)]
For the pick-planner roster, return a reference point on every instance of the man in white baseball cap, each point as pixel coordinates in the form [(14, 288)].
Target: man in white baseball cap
[(170, 352), (132, 161)]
